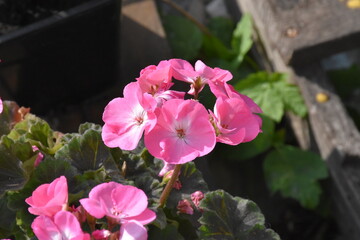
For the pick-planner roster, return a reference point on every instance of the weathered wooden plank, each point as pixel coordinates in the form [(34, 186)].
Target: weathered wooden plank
[(303, 30), (330, 122), (330, 131)]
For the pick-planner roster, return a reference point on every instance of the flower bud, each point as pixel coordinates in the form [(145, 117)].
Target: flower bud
[(184, 206), (102, 234), (196, 197)]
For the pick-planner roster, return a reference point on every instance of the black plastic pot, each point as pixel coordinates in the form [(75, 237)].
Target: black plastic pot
[(63, 59)]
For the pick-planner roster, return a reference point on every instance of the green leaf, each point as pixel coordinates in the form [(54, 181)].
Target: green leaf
[(12, 174), (260, 144), (184, 37), (150, 185), (213, 48), (8, 218), (292, 98), (242, 38), (273, 94), (345, 80), (226, 217), (7, 117), (48, 170), (161, 220), (191, 180), (37, 132), (86, 151), (169, 232), (295, 173), (222, 28)]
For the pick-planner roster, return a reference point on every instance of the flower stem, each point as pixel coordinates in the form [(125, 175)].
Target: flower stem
[(169, 186)]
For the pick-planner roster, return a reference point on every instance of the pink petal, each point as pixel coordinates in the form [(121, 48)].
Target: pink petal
[(1, 106), (93, 207), (48, 199), (68, 225), (126, 138), (192, 119), (183, 70), (235, 121), (130, 200), (99, 201), (45, 229), (127, 118), (133, 230), (144, 218), (203, 70), (155, 78)]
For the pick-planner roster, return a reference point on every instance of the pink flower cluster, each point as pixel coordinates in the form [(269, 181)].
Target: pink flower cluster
[(120, 204), (178, 130)]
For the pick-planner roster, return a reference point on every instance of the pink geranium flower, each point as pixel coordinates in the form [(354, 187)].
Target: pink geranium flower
[(1, 106), (183, 132), (133, 230), (153, 78), (63, 226), (120, 202), (199, 76), (234, 122), (224, 90), (50, 198), (127, 118)]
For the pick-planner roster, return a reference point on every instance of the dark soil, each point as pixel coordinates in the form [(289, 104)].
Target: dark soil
[(17, 13)]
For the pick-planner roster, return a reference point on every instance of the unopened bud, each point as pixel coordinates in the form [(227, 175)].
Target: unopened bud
[(184, 206), (196, 197), (102, 234)]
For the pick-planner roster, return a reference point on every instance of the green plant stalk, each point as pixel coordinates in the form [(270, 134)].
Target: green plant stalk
[(169, 186), (202, 27)]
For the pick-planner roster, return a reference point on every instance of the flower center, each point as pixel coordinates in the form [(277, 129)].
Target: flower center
[(139, 120), (180, 133), (118, 213)]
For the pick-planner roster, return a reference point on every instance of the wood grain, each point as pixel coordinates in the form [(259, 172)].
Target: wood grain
[(306, 30)]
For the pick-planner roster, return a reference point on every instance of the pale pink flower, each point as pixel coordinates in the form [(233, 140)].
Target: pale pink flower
[(63, 225), (199, 76), (127, 118), (153, 78), (183, 132), (39, 156), (1, 106), (49, 198), (133, 230), (102, 234), (184, 206), (120, 202), (196, 197), (234, 122)]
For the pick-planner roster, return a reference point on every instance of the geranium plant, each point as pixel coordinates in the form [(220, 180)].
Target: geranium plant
[(134, 177)]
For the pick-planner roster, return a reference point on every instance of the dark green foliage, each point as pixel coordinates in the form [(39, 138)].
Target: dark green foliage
[(295, 173), (228, 218)]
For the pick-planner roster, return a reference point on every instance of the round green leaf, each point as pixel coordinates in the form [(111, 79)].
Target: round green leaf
[(228, 218)]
